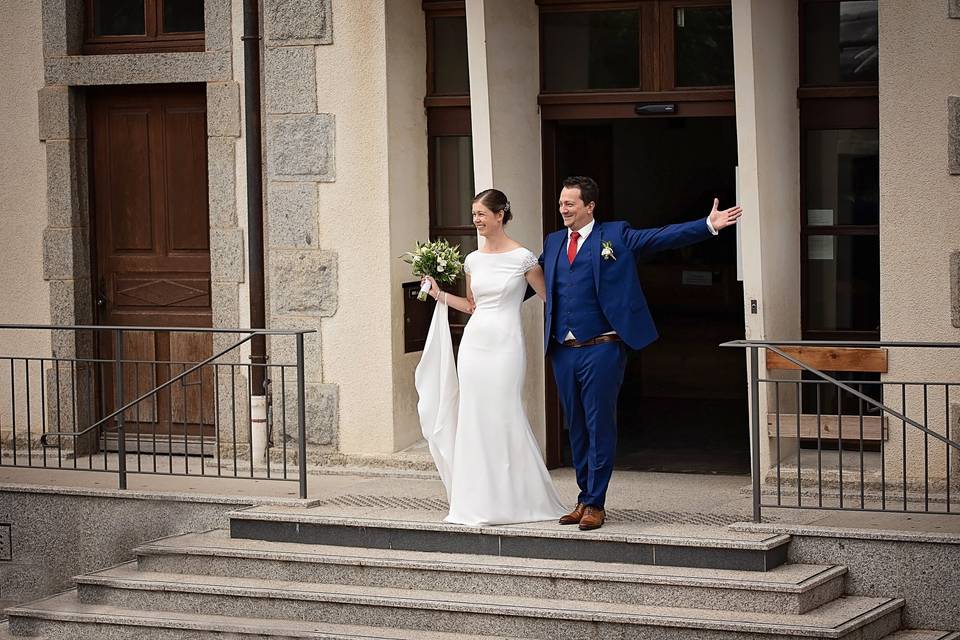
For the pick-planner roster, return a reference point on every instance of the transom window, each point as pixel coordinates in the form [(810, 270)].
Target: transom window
[(131, 26), (840, 42), (638, 45)]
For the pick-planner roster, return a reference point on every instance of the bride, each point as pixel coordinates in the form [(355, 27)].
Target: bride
[(473, 418)]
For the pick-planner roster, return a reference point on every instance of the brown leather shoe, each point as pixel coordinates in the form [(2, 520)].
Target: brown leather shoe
[(574, 516), (592, 518)]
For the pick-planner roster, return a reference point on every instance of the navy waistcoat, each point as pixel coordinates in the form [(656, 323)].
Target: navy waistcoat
[(576, 307)]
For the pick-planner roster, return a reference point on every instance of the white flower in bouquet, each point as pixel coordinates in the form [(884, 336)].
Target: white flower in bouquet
[(437, 259)]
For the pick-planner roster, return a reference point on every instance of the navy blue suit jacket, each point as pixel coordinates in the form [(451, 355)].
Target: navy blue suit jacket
[(617, 281)]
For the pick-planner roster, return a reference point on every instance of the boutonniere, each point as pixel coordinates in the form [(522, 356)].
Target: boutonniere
[(607, 251)]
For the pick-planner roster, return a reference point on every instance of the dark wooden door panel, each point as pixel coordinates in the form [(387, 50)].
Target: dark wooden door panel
[(125, 200), (186, 179), (152, 239)]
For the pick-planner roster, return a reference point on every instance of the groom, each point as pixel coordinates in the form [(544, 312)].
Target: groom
[(595, 311)]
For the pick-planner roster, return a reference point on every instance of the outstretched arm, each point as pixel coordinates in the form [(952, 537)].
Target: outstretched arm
[(644, 242)]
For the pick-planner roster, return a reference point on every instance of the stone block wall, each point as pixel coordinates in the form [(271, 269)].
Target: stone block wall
[(302, 274), (955, 288), (953, 134), (63, 129)]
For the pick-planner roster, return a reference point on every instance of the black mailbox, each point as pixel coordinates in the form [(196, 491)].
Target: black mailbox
[(416, 317)]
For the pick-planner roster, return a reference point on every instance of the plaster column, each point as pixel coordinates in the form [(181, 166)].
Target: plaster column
[(766, 72), (503, 49)]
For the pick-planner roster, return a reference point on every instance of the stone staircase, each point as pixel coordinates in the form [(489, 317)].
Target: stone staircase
[(287, 572)]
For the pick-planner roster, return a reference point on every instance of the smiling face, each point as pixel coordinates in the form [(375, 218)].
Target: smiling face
[(575, 212), (486, 221)]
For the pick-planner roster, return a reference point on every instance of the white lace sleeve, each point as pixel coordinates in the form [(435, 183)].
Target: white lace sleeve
[(528, 261), (466, 263)]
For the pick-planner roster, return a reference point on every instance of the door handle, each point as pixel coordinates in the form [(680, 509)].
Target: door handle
[(101, 296)]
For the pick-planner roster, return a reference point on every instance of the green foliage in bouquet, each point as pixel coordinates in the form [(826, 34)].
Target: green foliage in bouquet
[(437, 259)]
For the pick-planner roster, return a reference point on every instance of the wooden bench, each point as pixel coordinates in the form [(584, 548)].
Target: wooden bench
[(831, 426)]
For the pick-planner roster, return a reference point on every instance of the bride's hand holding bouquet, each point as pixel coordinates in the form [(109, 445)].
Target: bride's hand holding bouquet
[(435, 262)]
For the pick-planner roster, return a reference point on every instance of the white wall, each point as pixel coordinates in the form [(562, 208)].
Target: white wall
[(354, 221), (409, 221), (24, 294), (919, 202)]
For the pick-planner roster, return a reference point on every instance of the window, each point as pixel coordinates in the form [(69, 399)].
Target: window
[(703, 51), (449, 139), (590, 50), (450, 71), (840, 41), (131, 26), (635, 46), (840, 170)]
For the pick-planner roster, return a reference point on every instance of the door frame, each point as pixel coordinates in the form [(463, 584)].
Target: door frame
[(711, 103), (103, 345)]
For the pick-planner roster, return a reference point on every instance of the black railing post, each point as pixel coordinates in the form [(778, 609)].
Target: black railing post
[(301, 420), (118, 386), (755, 429)]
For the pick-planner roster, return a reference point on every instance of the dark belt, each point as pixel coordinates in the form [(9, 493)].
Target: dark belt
[(592, 341)]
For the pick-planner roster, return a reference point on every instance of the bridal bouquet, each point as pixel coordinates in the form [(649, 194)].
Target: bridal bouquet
[(436, 259)]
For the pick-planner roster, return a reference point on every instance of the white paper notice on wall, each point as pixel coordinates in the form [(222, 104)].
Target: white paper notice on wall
[(697, 278), (820, 247), (820, 217)]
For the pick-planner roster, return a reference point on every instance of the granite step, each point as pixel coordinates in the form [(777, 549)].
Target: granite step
[(5, 633), (790, 588), (682, 546), (923, 634), (126, 587), (64, 617)]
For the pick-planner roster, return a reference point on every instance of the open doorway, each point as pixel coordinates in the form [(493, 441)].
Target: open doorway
[(683, 405)]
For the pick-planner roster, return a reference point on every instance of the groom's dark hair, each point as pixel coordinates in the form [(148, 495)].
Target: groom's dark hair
[(589, 191)]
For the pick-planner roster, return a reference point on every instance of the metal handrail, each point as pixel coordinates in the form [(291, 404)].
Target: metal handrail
[(132, 403), (189, 368), (839, 343), (754, 347), (878, 405), (107, 327)]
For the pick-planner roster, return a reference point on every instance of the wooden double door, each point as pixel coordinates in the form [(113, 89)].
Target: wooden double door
[(151, 249)]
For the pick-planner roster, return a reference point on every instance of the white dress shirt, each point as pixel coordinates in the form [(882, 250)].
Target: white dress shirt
[(585, 232)]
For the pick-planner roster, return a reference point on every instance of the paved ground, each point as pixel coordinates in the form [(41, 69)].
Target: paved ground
[(642, 498)]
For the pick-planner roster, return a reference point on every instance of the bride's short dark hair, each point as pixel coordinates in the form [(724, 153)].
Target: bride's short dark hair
[(495, 200)]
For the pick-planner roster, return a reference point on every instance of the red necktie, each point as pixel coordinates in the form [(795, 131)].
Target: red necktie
[(572, 246)]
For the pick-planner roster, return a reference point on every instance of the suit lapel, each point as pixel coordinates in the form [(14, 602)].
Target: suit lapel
[(594, 239), (553, 258)]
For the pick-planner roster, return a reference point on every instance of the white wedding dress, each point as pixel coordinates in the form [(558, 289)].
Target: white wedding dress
[(473, 420)]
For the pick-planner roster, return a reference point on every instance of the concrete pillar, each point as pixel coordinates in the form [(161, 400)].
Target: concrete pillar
[(766, 72), (406, 58), (503, 49)]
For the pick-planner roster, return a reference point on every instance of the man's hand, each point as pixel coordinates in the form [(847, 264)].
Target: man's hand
[(727, 217)]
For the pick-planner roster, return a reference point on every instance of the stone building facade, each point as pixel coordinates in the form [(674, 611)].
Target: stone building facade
[(347, 171)]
